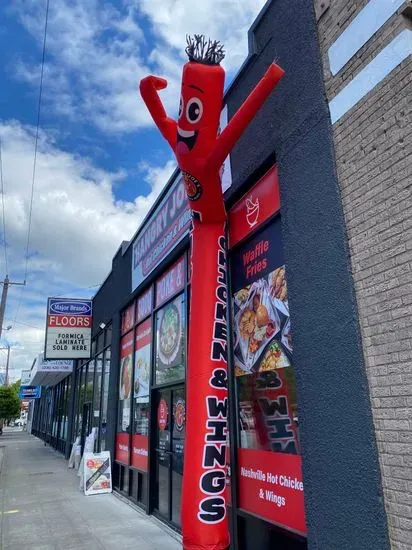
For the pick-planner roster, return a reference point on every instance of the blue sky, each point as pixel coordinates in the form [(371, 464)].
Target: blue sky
[(101, 163)]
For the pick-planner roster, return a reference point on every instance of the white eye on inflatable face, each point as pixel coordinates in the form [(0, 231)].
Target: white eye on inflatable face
[(194, 110), (181, 107)]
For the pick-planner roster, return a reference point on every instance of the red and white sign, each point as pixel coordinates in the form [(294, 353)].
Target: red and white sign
[(122, 448), (254, 208), (144, 305), (68, 329), (128, 318), (171, 282), (270, 486), (140, 453), (162, 414)]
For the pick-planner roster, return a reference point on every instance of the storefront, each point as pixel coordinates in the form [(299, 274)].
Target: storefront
[(302, 463)]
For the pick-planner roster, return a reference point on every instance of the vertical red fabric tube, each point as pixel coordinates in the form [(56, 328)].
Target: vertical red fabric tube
[(204, 517), (200, 152)]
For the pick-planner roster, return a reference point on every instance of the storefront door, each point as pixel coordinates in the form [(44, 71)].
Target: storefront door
[(169, 453)]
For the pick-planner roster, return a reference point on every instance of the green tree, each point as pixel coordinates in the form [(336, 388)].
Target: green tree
[(16, 387), (9, 403)]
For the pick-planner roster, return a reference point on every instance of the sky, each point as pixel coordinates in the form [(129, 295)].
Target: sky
[(100, 161)]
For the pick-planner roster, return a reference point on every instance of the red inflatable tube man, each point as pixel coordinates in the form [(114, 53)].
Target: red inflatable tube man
[(200, 153)]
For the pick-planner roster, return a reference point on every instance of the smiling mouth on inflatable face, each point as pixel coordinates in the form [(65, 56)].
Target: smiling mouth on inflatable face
[(185, 140)]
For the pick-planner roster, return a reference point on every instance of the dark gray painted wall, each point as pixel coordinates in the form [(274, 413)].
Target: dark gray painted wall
[(115, 290), (343, 494)]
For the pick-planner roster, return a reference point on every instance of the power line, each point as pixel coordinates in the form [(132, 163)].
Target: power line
[(36, 140), (4, 215)]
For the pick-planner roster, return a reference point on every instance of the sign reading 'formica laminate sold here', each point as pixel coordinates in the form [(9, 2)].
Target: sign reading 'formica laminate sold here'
[(68, 329)]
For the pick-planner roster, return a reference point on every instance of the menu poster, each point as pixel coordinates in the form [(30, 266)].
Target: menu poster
[(142, 359), (128, 319), (170, 342), (260, 305), (126, 355), (97, 473)]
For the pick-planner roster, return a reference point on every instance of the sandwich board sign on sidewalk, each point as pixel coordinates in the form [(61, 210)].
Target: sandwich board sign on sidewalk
[(97, 473)]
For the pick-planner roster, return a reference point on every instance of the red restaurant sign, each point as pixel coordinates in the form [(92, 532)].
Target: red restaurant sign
[(271, 487), (122, 448), (258, 205), (140, 446), (171, 282), (144, 305)]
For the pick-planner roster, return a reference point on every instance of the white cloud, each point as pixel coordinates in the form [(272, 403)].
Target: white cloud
[(77, 225), (97, 53)]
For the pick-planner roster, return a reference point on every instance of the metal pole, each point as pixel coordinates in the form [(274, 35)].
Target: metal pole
[(3, 302), (6, 380)]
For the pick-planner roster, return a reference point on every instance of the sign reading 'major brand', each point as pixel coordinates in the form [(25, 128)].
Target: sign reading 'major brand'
[(68, 329), (167, 226)]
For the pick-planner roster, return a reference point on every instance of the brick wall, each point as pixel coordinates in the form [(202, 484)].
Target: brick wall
[(373, 146)]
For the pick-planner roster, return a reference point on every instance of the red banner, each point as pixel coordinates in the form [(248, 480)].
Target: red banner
[(204, 480), (128, 319), (140, 446), (144, 305), (270, 486), (254, 208), (122, 448), (171, 282)]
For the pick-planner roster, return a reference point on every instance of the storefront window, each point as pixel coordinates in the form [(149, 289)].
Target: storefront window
[(141, 387), (97, 390), (89, 382), (270, 477), (171, 342), (105, 399)]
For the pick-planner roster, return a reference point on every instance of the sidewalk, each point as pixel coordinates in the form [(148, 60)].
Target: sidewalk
[(42, 508)]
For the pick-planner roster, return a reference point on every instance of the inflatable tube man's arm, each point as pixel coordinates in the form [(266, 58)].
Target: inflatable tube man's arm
[(244, 115), (149, 87)]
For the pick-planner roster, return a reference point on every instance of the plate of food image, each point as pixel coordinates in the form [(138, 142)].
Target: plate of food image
[(169, 334), (274, 357), (256, 323), (126, 377)]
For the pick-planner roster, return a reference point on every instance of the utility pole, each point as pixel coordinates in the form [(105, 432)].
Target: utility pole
[(6, 378), (6, 283)]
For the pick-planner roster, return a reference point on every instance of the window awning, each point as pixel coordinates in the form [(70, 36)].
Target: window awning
[(50, 372)]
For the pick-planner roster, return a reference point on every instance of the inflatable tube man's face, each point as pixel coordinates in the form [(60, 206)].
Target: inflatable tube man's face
[(200, 106)]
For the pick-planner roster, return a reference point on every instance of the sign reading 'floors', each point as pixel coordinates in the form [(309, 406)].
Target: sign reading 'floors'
[(69, 328)]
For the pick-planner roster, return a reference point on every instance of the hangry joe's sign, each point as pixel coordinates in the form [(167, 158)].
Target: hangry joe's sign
[(167, 226), (68, 328)]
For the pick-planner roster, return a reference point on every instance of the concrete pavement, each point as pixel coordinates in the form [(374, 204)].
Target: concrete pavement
[(42, 507)]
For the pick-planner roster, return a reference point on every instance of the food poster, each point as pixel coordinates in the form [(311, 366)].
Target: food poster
[(128, 318), (170, 342), (142, 359), (269, 462), (97, 473), (125, 380), (260, 305), (126, 366)]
